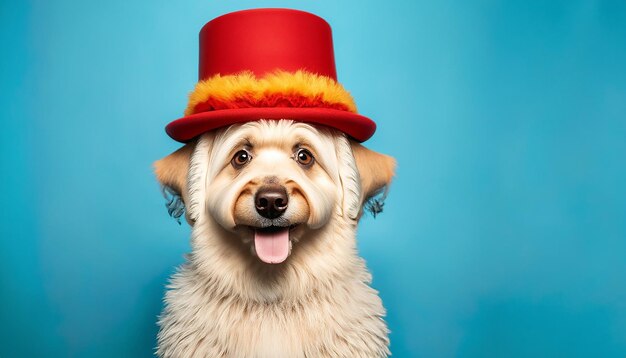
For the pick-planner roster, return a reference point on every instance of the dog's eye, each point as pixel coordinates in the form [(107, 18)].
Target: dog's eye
[(304, 158), (240, 159)]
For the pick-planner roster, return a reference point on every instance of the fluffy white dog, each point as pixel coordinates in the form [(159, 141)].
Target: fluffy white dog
[(274, 270)]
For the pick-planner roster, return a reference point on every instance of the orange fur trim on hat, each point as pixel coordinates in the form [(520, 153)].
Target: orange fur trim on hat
[(276, 89)]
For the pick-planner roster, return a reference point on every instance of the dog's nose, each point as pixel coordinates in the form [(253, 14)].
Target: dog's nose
[(271, 201)]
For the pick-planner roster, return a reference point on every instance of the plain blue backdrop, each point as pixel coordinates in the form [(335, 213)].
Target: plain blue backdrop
[(504, 234)]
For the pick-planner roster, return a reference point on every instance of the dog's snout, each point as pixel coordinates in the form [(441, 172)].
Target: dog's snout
[(271, 201)]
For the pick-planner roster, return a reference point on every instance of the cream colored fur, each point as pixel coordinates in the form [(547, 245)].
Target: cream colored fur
[(225, 302)]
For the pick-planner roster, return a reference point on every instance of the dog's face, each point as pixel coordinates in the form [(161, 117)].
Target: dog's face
[(271, 183)]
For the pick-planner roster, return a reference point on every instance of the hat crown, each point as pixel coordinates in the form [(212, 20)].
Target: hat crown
[(266, 40)]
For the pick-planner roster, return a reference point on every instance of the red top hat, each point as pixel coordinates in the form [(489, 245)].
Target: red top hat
[(268, 64)]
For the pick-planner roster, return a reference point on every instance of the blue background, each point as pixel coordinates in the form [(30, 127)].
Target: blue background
[(505, 231)]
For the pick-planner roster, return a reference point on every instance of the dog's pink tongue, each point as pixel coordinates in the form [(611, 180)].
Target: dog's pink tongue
[(272, 248)]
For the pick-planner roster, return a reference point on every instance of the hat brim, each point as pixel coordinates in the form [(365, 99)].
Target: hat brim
[(355, 125)]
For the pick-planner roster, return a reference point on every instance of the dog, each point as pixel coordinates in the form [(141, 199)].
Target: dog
[(274, 269)]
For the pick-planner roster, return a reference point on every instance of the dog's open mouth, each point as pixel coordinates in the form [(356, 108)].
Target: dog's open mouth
[(272, 244)]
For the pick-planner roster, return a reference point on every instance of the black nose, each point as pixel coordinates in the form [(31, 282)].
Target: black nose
[(271, 201)]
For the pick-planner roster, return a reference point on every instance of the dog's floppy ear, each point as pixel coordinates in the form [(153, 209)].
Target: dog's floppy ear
[(364, 174), (171, 172), (375, 171)]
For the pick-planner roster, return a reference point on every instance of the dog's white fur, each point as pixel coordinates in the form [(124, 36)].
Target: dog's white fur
[(225, 302)]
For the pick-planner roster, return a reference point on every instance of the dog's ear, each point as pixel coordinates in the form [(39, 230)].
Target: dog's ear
[(375, 172), (171, 172), (364, 174)]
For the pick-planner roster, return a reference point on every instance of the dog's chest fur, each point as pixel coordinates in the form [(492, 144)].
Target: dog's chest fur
[(340, 321)]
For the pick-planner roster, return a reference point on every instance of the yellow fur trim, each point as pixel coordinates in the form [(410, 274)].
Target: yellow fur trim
[(231, 88)]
